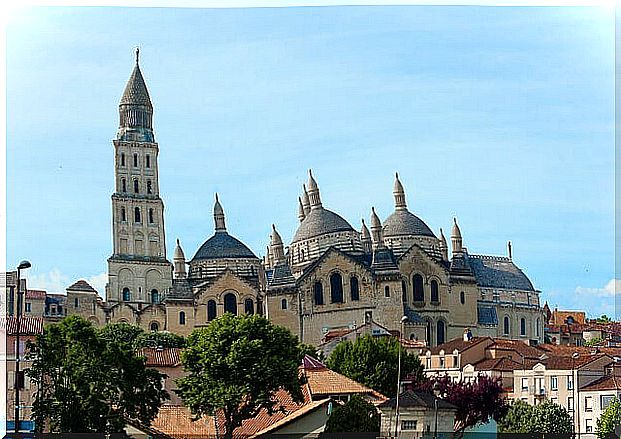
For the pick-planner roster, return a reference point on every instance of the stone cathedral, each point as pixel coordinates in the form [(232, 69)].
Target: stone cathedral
[(329, 278)]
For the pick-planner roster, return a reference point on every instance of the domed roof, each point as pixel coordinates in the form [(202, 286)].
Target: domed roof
[(404, 222), (320, 221), (223, 246)]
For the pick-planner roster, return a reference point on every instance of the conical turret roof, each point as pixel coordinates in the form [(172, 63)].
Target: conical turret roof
[(136, 92)]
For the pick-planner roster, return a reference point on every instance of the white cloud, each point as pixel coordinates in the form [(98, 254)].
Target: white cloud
[(57, 282), (612, 288), (99, 283)]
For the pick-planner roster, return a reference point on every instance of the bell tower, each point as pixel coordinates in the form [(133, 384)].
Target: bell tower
[(138, 271)]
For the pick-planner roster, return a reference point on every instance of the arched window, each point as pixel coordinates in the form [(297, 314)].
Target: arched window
[(386, 291), (417, 285), (136, 188), (230, 303), (428, 333), (182, 317), (404, 291), (155, 296), (522, 326), (149, 188), (318, 293), (336, 288), (537, 330), (211, 310), (355, 288), (462, 297), (150, 216), (126, 295), (435, 295), (440, 332), (137, 214), (122, 159), (135, 160), (249, 306), (283, 304), (148, 159), (506, 326), (123, 216), (154, 326), (123, 185)]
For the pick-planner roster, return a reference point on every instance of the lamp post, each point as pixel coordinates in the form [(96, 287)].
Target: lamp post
[(436, 394), (403, 320), (575, 392), (22, 266)]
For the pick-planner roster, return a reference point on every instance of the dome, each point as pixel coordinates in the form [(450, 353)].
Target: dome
[(403, 222), (223, 246), (319, 222)]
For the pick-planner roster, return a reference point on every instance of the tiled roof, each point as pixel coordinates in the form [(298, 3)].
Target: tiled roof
[(560, 317), (501, 364), (36, 294), (405, 223), (167, 357), (281, 276), (82, 285), (564, 363), (411, 398), (307, 408), (320, 221), (568, 351), (460, 344), (486, 315), (223, 246), (384, 260), (518, 346), (498, 272), (28, 325), (608, 382), (309, 362), (325, 382), (176, 422)]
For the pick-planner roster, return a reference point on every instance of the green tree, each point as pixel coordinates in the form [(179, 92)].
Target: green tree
[(88, 382), (603, 319), (357, 415), (372, 361), (594, 342), (546, 417), (160, 339), (234, 367), (517, 418), (610, 419)]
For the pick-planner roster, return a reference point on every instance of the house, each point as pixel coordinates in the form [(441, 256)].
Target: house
[(167, 361)]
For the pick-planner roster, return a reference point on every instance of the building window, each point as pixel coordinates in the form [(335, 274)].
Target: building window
[(150, 216), (135, 160), (136, 188), (537, 327), (336, 288), (123, 216), (148, 161), (441, 362), (462, 297), (418, 287), (408, 425), (428, 333), (435, 295), (386, 291), (211, 310), (524, 384), (154, 326), (506, 325), (588, 403), (149, 187), (570, 403), (76, 302), (123, 185), (606, 400), (440, 332), (554, 383), (318, 293), (182, 317), (404, 291), (522, 326), (589, 425), (283, 304), (137, 214), (249, 306), (28, 306), (122, 159), (126, 295), (570, 382), (230, 303), (155, 296), (354, 288)]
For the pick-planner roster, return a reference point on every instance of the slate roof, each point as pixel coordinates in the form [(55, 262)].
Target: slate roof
[(608, 382), (498, 272), (320, 221), (411, 398), (404, 222), (223, 246), (136, 92), (82, 285), (486, 315), (384, 260), (281, 276)]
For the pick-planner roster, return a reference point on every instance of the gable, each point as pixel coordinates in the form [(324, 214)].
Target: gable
[(228, 280)]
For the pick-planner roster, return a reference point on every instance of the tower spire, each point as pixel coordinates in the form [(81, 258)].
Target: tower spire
[(305, 200), (218, 216), (301, 213), (277, 247), (137, 54), (456, 240), (135, 109), (313, 191), (376, 230), (179, 261), (399, 194)]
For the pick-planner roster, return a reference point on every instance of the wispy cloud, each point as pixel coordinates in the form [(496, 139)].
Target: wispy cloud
[(56, 281), (612, 288)]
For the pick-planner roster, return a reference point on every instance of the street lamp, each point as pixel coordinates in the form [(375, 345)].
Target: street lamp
[(22, 266), (436, 394), (403, 320), (575, 378)]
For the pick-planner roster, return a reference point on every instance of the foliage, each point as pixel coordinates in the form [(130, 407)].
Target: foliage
[(89, 380), (373, 361), (594, 342), (546, 417), (477, 401), (603, 319), (135, 337), (357, 415), (610, 419), (160, 339), (234, 367), (310, 350)]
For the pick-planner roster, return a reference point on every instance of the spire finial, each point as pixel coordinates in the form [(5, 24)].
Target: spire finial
[(177, 241), (217, 197), (137, 54), (399, 194)]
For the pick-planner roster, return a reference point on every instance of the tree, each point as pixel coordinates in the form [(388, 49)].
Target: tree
[(477, 401), (135, 337), (160, 339), (89, 382), (234, 367), (372, 361), (357, 415), (310, 350), (594, 342), (603, 319), (546, 417), (610, 419)]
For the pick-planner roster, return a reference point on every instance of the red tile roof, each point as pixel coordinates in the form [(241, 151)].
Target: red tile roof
[(568, 351), (36, 294), (167, 357), (459, 344), (502, 364), (323, 382), (568, 363), (518, 346), (608, 382), (176, 422), (28, 325)]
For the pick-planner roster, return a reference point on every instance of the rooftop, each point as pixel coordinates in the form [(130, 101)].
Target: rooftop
[(498, 272)]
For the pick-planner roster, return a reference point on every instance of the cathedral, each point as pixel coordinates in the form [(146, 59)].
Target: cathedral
[(330, 277)]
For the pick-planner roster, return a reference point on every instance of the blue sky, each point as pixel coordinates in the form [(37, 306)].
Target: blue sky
[(502, 117)]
